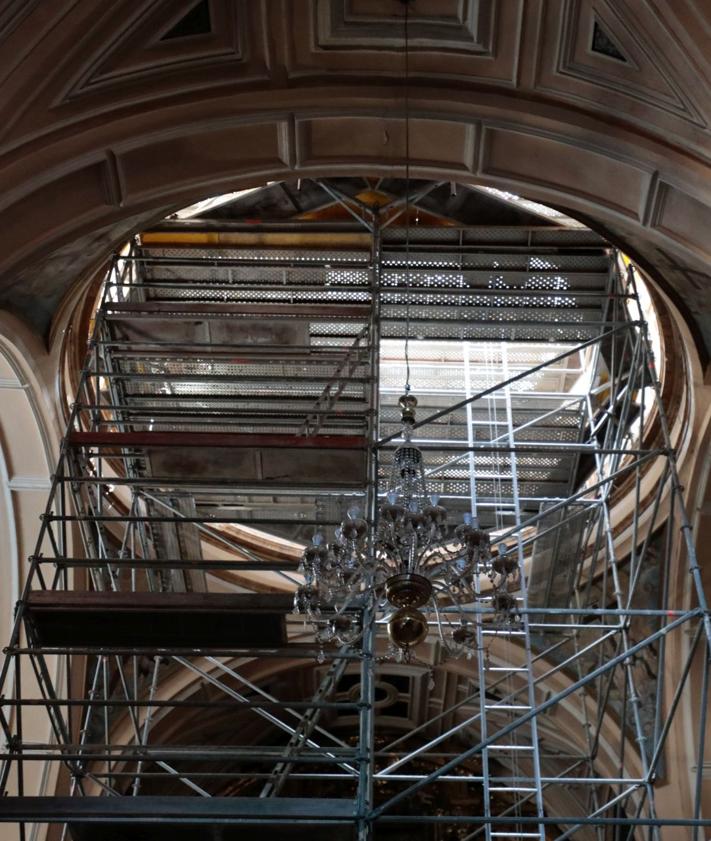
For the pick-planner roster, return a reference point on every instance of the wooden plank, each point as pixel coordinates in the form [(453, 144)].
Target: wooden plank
[(191, 831), (180, 602), (307, 311), (174, 808), (157, 620), (216, 439)]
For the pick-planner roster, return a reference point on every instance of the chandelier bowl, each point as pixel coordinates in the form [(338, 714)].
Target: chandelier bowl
[(407, 628), (408, 590)]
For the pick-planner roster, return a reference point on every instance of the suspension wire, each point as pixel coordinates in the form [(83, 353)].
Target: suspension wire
[(407, 199)]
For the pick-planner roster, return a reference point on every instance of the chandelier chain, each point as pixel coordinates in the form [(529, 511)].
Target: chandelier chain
[(412, 559), (407, 199)]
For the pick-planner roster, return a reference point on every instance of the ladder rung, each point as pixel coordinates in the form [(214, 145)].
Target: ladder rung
[(511, 788), (507, 706), (509, 747), (515, 835), (510, 633), (506, 669)]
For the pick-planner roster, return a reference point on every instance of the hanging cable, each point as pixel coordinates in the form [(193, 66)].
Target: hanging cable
[(407, 199)]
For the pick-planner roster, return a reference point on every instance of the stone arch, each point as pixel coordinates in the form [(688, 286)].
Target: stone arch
[(79, 203)]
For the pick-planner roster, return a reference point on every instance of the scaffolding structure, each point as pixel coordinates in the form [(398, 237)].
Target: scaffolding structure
[(236, 399)]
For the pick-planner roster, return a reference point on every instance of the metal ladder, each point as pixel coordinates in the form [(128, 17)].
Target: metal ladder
[(513, 664)]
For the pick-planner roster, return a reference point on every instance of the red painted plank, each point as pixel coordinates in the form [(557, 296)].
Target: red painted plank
[(61, 600), (283, 310), (216, 439)]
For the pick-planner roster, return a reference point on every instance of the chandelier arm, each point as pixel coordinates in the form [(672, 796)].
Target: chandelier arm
[(438, 618)]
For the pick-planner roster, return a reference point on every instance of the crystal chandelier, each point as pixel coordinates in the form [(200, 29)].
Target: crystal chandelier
[(408, 566)]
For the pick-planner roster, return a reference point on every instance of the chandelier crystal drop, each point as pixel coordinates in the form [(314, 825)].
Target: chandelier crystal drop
[(407, 568)]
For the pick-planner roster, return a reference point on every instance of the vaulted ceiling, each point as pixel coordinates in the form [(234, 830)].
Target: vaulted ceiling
[(115, 114)]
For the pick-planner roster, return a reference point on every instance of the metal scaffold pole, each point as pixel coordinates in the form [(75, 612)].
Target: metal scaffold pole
[(235, 404)]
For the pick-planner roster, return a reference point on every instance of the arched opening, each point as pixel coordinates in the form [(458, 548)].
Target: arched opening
[(251, 320)]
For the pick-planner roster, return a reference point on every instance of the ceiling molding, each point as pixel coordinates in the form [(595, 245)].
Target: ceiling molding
[(467, 40), (139, 51), (458, 25), (645, 75)]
